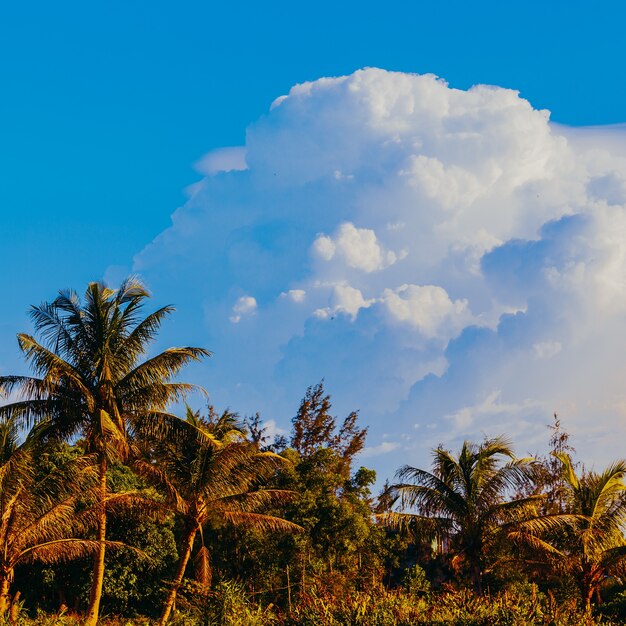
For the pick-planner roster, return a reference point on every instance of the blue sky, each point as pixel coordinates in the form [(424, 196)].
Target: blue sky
[(107, 106)]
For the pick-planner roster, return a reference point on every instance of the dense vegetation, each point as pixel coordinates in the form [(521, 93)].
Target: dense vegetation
[(111, 505)]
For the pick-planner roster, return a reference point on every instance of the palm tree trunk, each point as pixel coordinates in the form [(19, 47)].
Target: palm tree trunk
[(4, 593), (586, 586), (587, 594), (98, 565), (180, 573), (477, 579)]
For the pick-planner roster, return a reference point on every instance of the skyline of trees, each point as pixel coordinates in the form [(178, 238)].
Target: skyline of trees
[(183, 508)]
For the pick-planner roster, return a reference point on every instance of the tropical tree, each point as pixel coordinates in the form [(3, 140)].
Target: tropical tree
[(315, 428), (596, 545), (90, 381), (464, 502), (340, 547), (38, 513), (212, 476), (333, 503)]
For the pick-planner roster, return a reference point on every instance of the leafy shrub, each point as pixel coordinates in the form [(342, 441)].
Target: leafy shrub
[(415, 581), (229, 605)]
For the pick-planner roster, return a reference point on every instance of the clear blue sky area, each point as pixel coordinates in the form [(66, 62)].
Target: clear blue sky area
[(105, 106)]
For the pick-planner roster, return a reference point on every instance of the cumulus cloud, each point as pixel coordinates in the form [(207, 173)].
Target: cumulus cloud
[(428, 308), (419, 247), (344, 299), (245, 305), (355, 247), (222, 160), (295, 295)]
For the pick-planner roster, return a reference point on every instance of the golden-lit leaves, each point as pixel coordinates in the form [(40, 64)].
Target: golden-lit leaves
[(39, 513), (202, 568)]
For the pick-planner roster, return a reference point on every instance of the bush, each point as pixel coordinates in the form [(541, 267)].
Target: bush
[(415, 581)]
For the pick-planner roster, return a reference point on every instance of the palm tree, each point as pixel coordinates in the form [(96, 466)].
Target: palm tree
[(596, 545), (213, 475), (38, 513), (464, 502), (90, 381)]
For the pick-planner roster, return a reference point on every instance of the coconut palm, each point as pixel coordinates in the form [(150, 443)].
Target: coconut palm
[(212, 476), (596, 545), (90, 380), (463, 501)]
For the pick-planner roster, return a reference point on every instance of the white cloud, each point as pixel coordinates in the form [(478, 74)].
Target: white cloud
[(383, 448), (465, 417), (222, 160), (245, 305), (547, 349), (356, 247), (295, 295), (272, 430), (345, 299), (428, 309), (439, 244), (453, 187), (324, 247)]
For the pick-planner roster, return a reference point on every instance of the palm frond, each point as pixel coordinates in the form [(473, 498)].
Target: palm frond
[(53, 369), (538, 546), (160, 369), (260, 522), (143, 334), (202, 567), (428, 493), (135, 501), (62, 550)]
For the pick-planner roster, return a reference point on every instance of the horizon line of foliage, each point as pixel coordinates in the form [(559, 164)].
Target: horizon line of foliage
[(112, 505)]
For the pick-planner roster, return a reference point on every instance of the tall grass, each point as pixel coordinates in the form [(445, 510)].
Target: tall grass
[(228, 605), (460, 608)]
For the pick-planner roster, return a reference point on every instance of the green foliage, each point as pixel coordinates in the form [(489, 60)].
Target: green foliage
[(333, 504), (615, 608), (91, 379), (135, 586), (228, 606), (314, 428), (595, 546), (449, 609), (212, 476), (206, 519), (462, 504), (415, 581), (40, 513)]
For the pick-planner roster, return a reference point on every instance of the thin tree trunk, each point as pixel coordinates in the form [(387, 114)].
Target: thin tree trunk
[(98, 566), (4, 594), (180, 573), (477, 580), (587, 595)]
